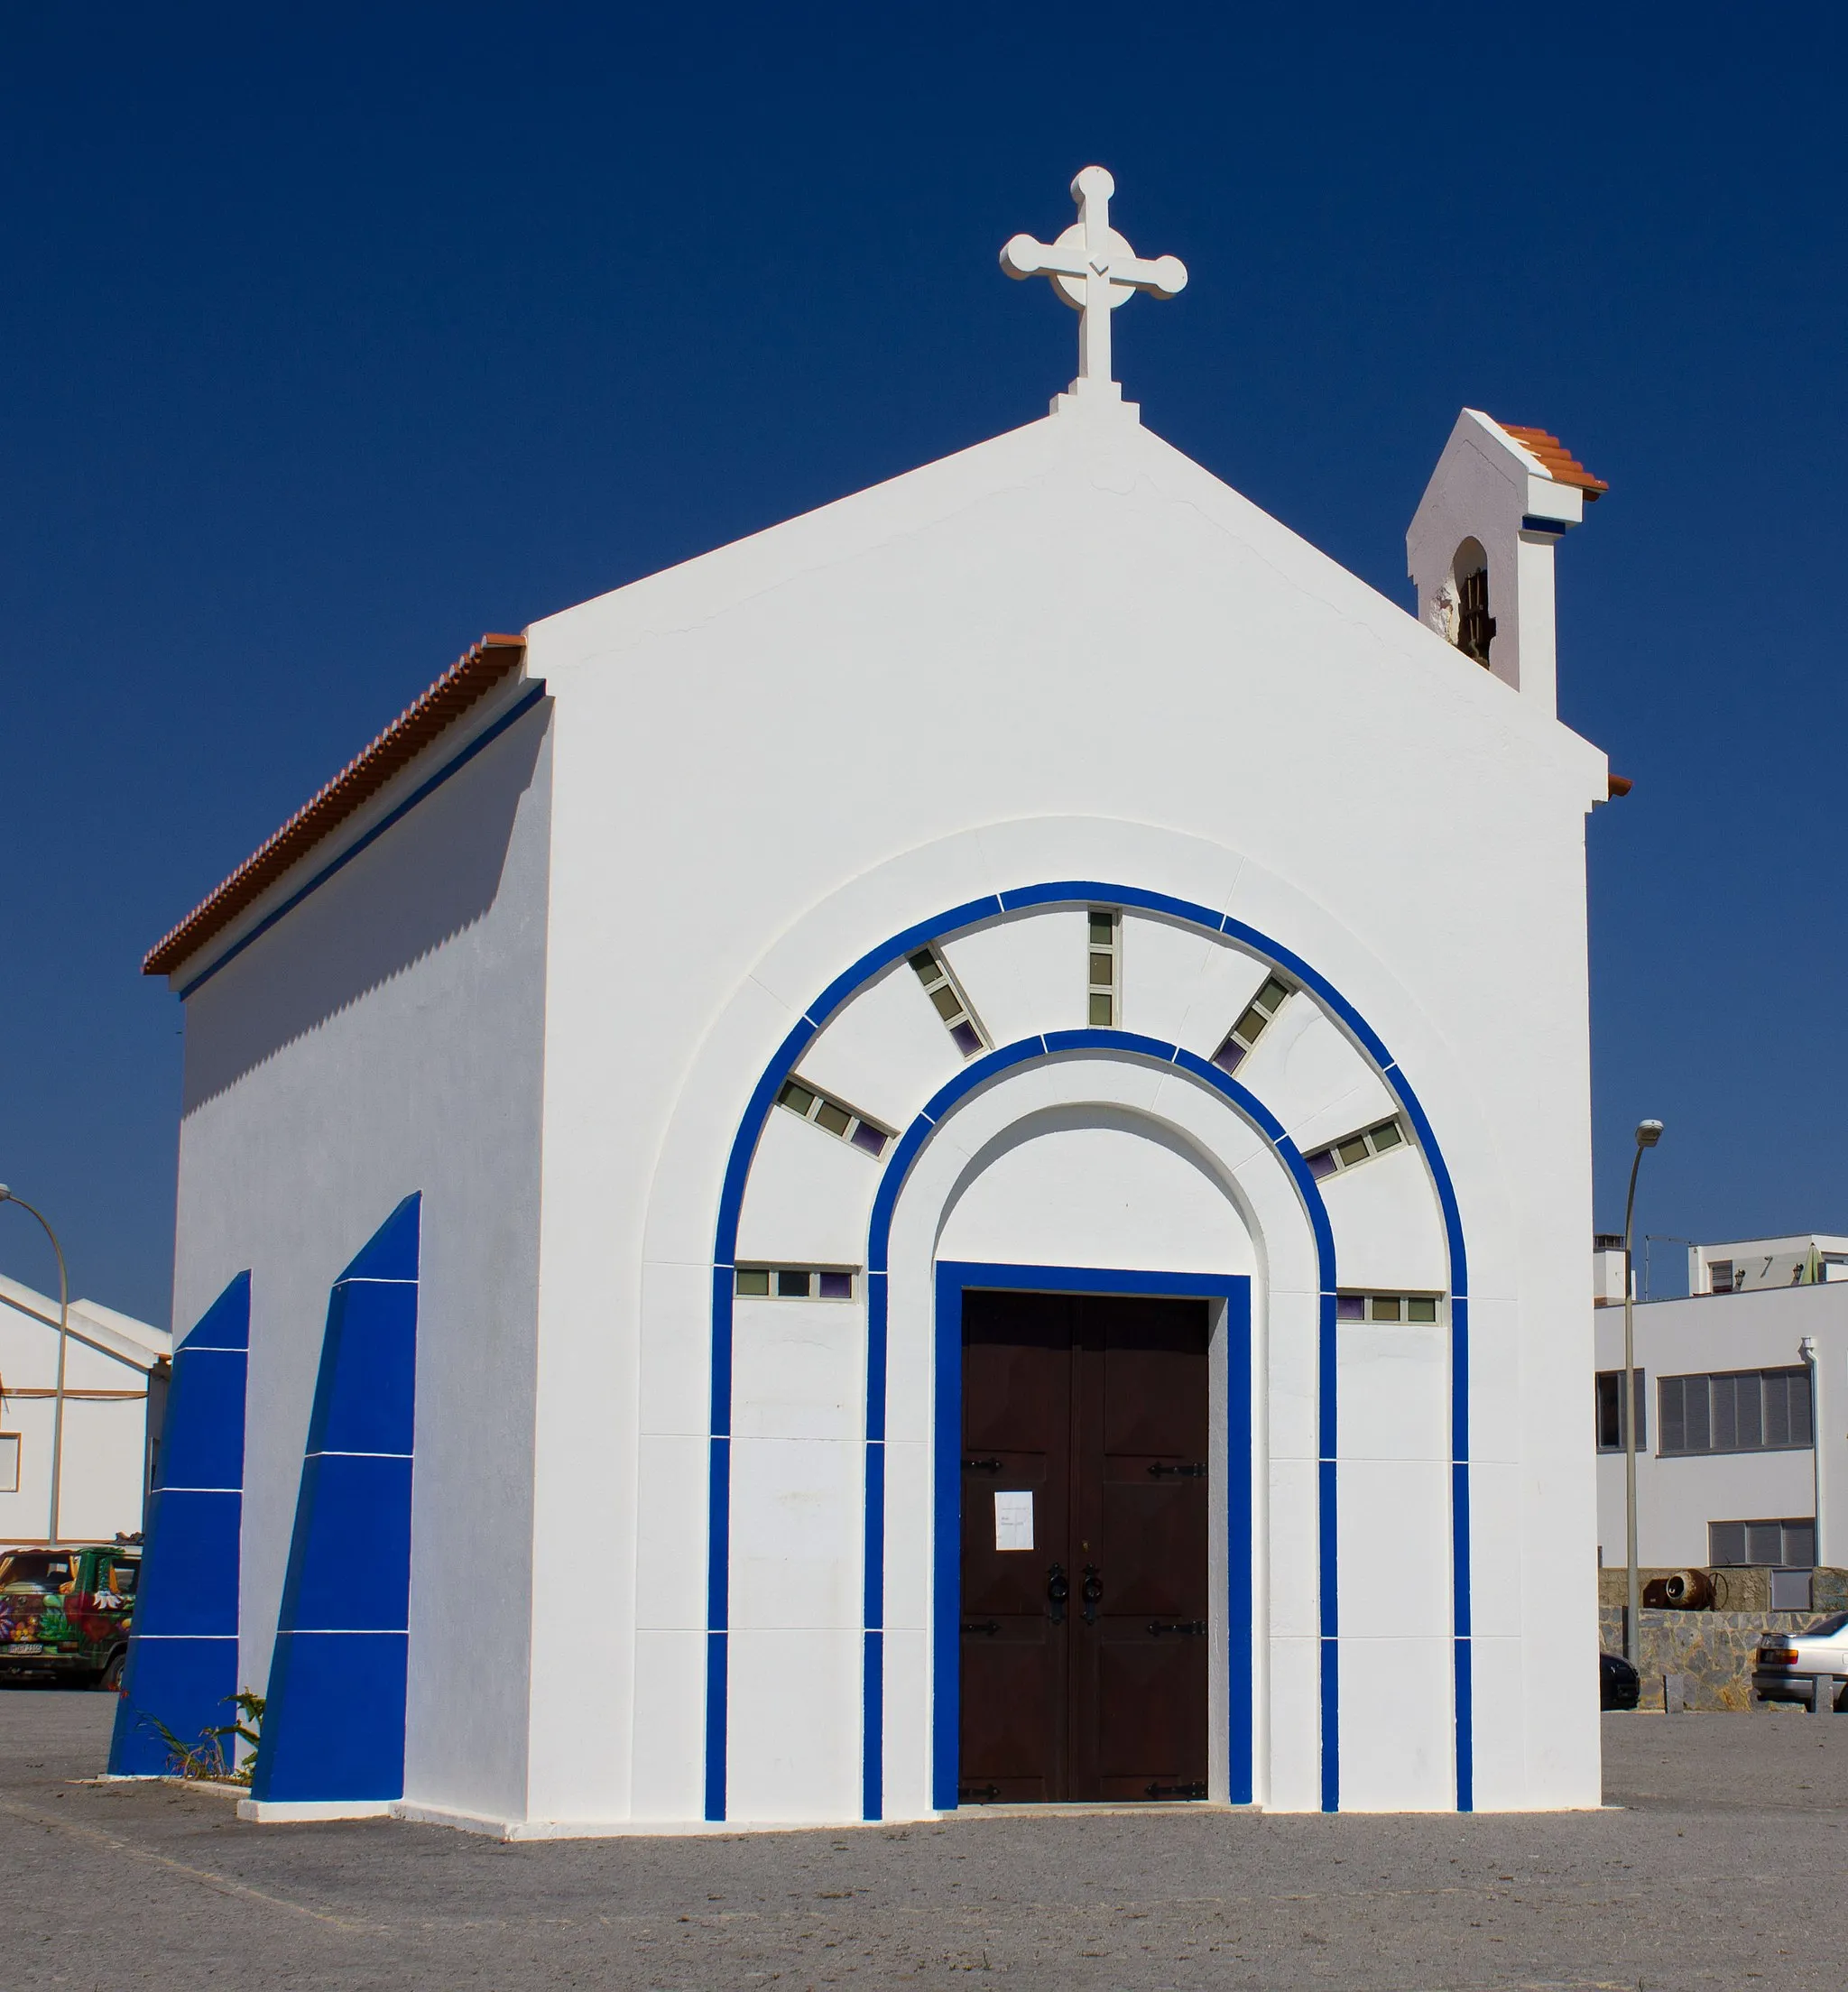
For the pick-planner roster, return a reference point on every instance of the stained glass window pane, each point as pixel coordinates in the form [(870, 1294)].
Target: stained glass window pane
[(792, 1285), (1103, 930), (1421, 1310), (1103, 970), (836, 1285), (966, 1040), (753, 1280), (870, 1138), (1386, 1135), (1350, 1307), (948, 1003), (1100, 1011), (833, 1117), (1321, 1163), (1385, 1306), (1353, 1151)]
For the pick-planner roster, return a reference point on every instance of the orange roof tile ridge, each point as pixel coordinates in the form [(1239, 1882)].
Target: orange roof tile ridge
[(431, 713), (1562, 466)]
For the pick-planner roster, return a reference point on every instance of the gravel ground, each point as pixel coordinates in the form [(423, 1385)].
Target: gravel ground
[(1726, 1864)]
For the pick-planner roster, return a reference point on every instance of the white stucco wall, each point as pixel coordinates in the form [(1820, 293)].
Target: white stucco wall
[(385, 1038), (1070, 652)]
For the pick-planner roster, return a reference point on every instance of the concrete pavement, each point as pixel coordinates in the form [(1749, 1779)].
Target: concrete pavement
[(1726, 1866)]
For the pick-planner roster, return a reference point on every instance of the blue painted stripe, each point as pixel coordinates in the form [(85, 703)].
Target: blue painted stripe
[(1241, 1620), (451, 767), (1465, 1729), (1331, 1725), (716, 1659), (981, 1071), (946, 1545), (876, 1339), (873, 1724)]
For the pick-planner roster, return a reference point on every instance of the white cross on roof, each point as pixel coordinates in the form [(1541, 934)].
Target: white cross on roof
[(1093, 269)]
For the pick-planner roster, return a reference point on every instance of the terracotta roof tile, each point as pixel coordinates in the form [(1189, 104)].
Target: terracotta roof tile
[(1562, 466), (465, 681)]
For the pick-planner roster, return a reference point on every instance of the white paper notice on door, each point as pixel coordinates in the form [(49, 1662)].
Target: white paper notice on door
[(1013, 1519)]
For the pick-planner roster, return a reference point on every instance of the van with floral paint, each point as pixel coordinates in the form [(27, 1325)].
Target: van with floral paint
[(66, 1612)]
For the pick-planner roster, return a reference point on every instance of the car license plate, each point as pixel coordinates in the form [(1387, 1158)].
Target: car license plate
[(25, 1646)]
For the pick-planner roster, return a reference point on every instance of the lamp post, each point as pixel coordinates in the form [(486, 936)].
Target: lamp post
[(7, 1196), (1647, 1133)]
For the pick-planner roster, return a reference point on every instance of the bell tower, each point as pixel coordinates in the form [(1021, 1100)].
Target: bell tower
[(1481, 546)]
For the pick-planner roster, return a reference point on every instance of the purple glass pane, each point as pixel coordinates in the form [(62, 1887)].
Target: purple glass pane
[(1229, 1056), (868, 1138), (1350, 1307), (1321, 1164), (967, 1042), (836, 1285)]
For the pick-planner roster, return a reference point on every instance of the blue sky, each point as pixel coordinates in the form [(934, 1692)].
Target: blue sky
[(328, 343)]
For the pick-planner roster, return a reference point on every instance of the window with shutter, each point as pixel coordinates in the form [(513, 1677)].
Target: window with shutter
[(1778, 1408), (1698, 1402), (1725, 1391), (1764, 1542), (1725, 1541), (1674, 1415)]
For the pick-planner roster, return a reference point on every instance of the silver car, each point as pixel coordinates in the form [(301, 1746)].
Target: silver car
[(1804, 1666)]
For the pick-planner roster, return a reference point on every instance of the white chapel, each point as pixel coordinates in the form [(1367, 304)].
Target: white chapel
[(938, 1159)]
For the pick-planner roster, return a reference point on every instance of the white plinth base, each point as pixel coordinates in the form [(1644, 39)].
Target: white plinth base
[(270, 1811)]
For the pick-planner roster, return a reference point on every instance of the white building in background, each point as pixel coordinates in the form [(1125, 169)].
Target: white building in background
[(1734, 1383), (679, 1121), (1750, 1265), (109, 1364)]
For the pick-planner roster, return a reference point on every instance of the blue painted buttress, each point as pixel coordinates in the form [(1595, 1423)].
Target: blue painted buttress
[(183, 1658), (335, 1726)]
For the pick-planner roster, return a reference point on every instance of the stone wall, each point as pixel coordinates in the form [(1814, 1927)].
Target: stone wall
[(1711, 1650)]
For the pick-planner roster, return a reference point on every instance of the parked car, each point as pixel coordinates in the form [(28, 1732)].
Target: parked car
[(1620, 1686), (66, 1612), (1805, 1665)]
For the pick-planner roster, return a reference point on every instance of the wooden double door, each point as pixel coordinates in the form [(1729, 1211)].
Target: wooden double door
[(1085, 1588)]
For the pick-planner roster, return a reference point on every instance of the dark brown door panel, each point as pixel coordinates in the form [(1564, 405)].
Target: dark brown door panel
[(1084, 1672)]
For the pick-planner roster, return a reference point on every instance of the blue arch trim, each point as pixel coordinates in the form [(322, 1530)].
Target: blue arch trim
[(182, 1654), (839, 993)]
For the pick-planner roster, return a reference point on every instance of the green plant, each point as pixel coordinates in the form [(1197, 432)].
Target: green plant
[(206, 1758), (250, 1706)]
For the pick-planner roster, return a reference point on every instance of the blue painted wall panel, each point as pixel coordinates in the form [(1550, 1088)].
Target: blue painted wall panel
[(334, 1729), (183, 1657), (366, 1395), (351, 1571), (189, 1584), (340, 1697)]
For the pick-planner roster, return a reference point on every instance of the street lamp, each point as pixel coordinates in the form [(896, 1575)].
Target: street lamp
[(1647, 1133), (7, 1196)]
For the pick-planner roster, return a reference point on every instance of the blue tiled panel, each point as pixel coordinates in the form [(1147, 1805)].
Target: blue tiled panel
[(182, 1655), (334, 1729)]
